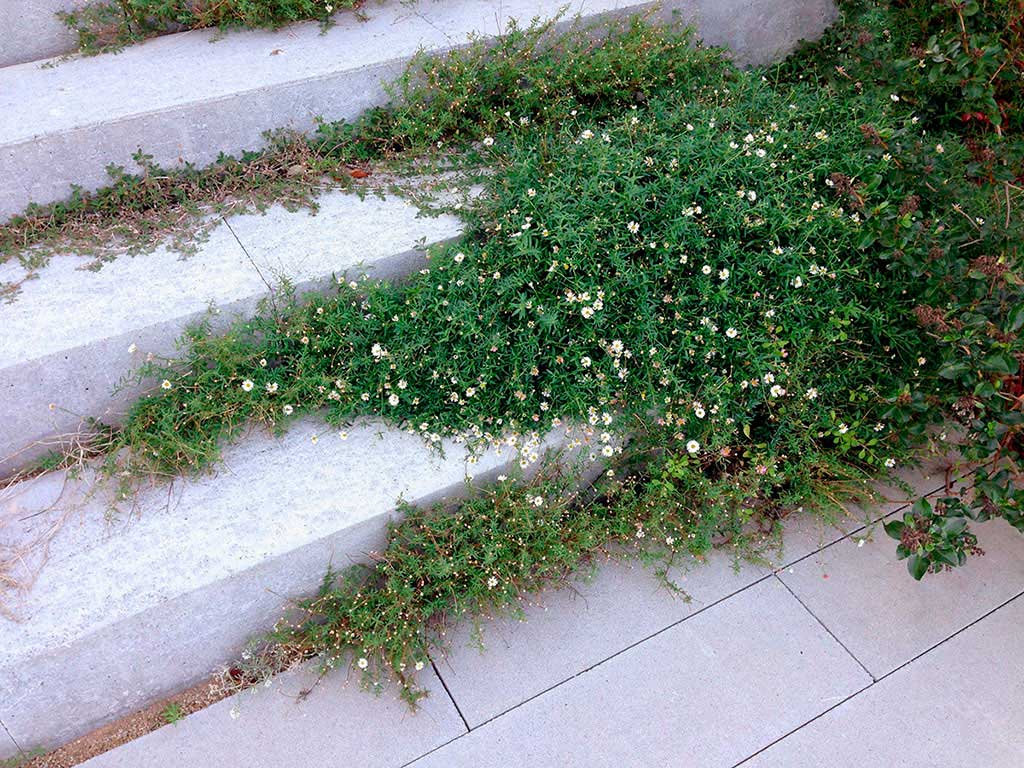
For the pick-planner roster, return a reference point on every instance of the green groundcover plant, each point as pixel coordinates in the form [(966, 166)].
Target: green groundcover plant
[(111, 25), (747, 289), (787, 271)]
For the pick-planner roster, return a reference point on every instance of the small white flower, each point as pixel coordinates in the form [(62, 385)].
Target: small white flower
[(811, 394), (723, 275), (585, 362), (459, 257), (538, 501), (732, 333), (343, 435), (633, 227), (607, 451), (531, 192), (706, 269), (798, 282), (362, 663), (692, 447), (777, 391), (247, 385), (751, 195), (894, 97), (288, 410), (492, 582), (271, 387), (131, 349), (419, 666), (890, 463), (587, 312), (165, 384), (393, 399), (939, 148), (488, 141), (843, 429), (698, 412)]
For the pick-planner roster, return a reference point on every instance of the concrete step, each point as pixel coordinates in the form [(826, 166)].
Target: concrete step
[(180, 98), (72, 334), (128, 609), (30, 30), (568, 636)]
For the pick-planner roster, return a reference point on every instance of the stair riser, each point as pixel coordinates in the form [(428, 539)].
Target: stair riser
[(102, 676), (31, 30)]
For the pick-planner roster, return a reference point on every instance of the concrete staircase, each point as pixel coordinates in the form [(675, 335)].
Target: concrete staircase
[(131, 607)]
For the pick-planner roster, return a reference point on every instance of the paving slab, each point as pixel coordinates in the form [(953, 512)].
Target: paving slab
[(871, 604), (336, 724), (622, 604), (958, 706), (125, 612), (72, 335), (807, 532), (706, 692)]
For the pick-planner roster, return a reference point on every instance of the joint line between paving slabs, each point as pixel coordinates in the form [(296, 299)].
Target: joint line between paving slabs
[(595, 665), (859, 529), (452, 698), (786, 735), (10, 735), (962, 629), (825, 627)]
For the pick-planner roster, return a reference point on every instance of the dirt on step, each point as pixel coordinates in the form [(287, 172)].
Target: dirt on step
[(133, 726)]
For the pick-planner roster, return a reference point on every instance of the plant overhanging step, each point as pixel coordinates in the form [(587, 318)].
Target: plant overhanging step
[(72, 334), (179, 97), (128, 611)]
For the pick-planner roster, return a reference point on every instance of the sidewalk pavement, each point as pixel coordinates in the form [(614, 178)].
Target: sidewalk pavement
[(835, 657)]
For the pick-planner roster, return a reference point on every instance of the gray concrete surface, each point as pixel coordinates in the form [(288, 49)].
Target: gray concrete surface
[(755, 680), (623, 605), (959, 706), (706, 692), (68, 335), (865, 596), (336, 724), (130, 609), (30, 30), (181, 98)]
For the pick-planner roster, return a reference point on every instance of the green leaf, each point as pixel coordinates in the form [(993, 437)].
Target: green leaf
[(917, 566), (953, 370), (954, 526), (894, 528)]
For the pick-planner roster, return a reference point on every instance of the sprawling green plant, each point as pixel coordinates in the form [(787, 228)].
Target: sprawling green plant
[(956, 182), (789, 271), (113, 24), (442, 565)]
